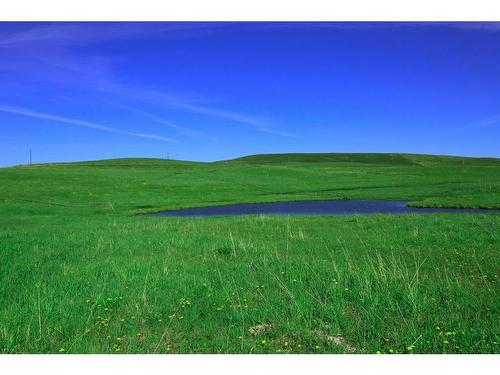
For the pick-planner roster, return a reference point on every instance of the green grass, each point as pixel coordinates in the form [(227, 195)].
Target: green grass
[(81, 273)]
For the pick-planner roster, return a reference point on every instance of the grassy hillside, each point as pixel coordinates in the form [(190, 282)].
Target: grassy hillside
[(366, 158), (82, 274), (129, 186)]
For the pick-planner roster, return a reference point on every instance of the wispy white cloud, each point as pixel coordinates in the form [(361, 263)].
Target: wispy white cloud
[(80, 33), (55, 51), (159, 119), (53, 56), (229, 115), (78, 122), (280, 133), (488, 121), (481, 26), (184, 103), (259, 124), (378, 25), (86, 33)]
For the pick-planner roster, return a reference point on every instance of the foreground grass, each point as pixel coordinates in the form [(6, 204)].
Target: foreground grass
[(81, 275)]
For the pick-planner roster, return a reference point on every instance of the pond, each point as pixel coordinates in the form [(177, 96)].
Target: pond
[(326, 207)]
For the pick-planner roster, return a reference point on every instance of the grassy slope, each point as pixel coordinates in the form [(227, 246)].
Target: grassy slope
[(367, 158), (80, 273)]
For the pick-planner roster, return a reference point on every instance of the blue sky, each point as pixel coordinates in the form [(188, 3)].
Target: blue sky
[(211, 91)]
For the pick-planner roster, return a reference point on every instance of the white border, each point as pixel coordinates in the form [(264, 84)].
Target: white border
[(254, 10), (250, 10), (250, 364)]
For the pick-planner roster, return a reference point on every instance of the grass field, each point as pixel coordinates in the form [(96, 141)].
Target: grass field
[(82, 273)]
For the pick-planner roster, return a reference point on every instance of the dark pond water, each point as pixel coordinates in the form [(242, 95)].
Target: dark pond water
[(330, 207)]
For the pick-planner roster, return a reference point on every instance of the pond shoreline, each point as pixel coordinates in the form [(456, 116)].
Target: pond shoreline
[(315, 207)]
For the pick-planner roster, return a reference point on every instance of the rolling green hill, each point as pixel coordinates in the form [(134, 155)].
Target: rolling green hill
[(367, 158), (129, 186), (81, 272)]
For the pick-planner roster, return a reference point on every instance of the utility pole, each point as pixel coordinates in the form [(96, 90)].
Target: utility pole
[(168, 155), (30, 155)]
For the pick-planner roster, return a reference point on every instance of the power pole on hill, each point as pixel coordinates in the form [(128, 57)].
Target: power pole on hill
[(168, 155), (30, 155)]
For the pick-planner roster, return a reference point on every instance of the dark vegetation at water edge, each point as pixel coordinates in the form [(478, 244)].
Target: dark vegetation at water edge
[(80, 273)]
